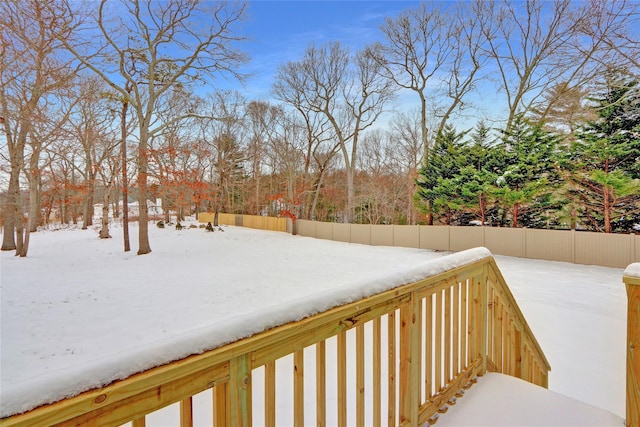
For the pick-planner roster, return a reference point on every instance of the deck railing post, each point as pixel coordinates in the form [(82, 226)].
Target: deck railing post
[(633, 346), (410, 335), (240, 391)]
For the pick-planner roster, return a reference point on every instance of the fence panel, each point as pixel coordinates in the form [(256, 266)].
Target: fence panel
[(434, 237), (609, 250), (406, 236), (462, 238), (361, 233), (505, 241), (552, 245), (382, 235), (341, 232)]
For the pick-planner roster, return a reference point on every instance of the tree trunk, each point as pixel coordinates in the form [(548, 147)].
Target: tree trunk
[(104, 231), (606, 214), (87, 213), (19, 224), (33, 210), (143, 219), (125, 183), (9, 237)]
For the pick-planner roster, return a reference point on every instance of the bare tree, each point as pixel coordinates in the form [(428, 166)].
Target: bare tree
[(467, 60), (222, 131), (32, 69), (132, 53), (407, 152), (92, 125), (321, 146), (536, 46), (261, 120), (613, 24), (416, 48), (382, 186), (349, 92)]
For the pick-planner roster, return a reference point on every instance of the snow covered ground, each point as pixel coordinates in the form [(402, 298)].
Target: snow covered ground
[(79, 312)]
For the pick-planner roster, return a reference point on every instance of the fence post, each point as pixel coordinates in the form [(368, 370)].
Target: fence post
[(410, 335), (633, 344)]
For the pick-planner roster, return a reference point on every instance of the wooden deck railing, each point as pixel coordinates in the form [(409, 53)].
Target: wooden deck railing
[(395, 358)]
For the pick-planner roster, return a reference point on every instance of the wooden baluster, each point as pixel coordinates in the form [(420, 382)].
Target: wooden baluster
[(464, 342), (298, 388), (321, 384), (186, 412), (391, 383), (428, 322), (456, 329), (360, 383), (438, 343), (377, 372), (447, 335), (221, 407), (270, 394), (342, 379)]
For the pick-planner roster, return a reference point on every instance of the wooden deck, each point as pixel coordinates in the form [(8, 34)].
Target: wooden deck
[(420, 343)]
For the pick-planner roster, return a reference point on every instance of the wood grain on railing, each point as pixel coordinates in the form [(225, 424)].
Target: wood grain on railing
[(413, 349)]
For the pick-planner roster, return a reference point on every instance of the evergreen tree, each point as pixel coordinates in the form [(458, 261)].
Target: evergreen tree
[(458, 179), (528, 180), (435, 179), (476, 177), (604, 160)]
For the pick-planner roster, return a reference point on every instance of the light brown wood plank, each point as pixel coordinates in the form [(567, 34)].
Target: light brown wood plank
[(298, 388), (360, 382), (342, 379), (321, 384), (186, 412), (270, 394)]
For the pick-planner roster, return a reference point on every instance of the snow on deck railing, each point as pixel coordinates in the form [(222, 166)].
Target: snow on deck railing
[(420, 343), (632, 281)]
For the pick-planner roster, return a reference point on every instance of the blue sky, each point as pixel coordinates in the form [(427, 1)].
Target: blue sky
[(280, 31)]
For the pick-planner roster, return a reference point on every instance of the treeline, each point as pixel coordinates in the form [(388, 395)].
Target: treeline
[(535, 177), (106, 101)]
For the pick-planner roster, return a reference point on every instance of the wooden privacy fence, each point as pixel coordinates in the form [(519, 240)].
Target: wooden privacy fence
[(251, 221), (395, 358), (579, 247)]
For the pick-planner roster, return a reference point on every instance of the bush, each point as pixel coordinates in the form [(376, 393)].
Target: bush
[(160, 224)]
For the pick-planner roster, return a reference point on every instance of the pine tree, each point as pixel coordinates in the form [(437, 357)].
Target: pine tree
[(528, 177), (435, 181), (604, 161)]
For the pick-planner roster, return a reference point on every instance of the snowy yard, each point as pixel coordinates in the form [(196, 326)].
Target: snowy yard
[(79, 312)]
